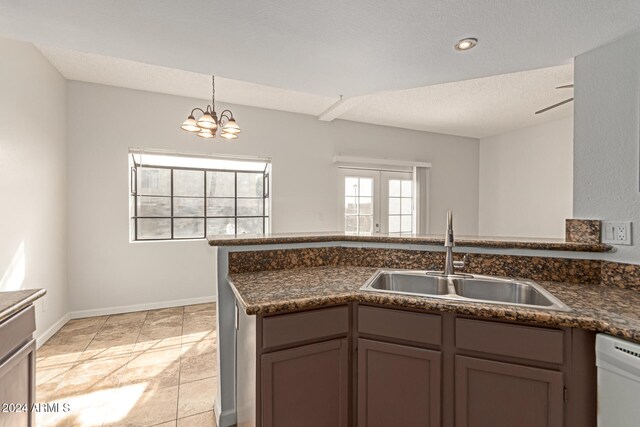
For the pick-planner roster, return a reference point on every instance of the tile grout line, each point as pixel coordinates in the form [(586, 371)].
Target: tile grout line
[(79, 359), (130, 354)]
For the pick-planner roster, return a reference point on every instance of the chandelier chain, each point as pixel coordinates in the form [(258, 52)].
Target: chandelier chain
[(213, 93)]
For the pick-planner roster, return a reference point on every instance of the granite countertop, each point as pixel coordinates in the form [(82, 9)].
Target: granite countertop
[(468, 241), (13, 301), (600, 308)]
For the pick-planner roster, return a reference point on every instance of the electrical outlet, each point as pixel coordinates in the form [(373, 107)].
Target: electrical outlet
[(616, 233)]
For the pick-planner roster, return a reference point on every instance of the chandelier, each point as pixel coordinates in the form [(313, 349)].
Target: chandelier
[(207, 125)]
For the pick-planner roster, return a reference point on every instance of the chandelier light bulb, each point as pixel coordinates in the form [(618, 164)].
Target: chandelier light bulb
[(190, 125), (206, 133), (228, 135), (207, 122), (231, 127)]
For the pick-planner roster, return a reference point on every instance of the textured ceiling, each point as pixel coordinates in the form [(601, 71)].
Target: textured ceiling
[(135, 75), (475, 108), (327, 47)]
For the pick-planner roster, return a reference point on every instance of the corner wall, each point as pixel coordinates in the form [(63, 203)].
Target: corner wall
[(526, 181), (607, 138), (103, 122), (33, 232)]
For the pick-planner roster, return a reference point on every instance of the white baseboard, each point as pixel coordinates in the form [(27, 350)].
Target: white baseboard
[(139, 307), (225, 418), (43, 337)]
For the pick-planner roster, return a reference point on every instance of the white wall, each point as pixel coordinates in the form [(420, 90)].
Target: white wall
[(526, 181), (106, 270), (607, 137), (33, 234)]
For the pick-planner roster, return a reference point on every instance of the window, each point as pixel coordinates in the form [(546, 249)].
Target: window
[(182, 197), (400, 208), (358, 204), (377, 201)]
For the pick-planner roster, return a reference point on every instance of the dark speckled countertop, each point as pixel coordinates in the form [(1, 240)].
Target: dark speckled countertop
[(595, 307), (468, 241), (13, 301)]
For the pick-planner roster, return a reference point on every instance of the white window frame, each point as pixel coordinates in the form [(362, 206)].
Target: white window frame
[(385, 177), (359, 173)]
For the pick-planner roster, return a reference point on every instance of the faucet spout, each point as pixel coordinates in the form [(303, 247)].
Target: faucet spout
[(448, 245)]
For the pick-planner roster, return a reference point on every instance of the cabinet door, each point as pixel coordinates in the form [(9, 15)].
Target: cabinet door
[(17, 386), (496, 394), (397, 385), (306, 386)]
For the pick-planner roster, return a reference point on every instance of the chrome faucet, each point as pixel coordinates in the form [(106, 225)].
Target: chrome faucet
[(448, 246)]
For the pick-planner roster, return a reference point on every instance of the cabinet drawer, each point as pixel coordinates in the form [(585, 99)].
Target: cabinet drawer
[(402, 325), (16, 330), (305, 326), (525, 342)]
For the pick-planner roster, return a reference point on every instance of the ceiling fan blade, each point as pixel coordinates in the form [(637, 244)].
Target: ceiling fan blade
[(554, 106), (565, 86)]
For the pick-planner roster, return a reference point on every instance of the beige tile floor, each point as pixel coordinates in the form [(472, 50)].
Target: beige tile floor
[(150, 368)]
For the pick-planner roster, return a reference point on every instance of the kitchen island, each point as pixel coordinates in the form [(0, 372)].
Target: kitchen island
[(296, 273)]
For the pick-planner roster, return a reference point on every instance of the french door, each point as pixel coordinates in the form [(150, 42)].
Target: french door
[(376, 201)]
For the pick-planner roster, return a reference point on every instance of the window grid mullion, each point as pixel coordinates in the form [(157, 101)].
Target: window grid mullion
[(205, 217), (205, 204)]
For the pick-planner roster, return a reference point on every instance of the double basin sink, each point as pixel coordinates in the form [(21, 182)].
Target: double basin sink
[(464, 287)]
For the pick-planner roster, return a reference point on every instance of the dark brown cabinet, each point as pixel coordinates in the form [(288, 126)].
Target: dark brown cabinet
[(17, 369), (497, 394), (374, 366), (398, 385), (306, 386)]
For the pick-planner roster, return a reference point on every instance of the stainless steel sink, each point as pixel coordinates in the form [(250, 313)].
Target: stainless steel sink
[(410, 283), (464, 287)]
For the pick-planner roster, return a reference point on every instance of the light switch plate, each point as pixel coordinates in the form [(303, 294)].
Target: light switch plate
[(616, 232)]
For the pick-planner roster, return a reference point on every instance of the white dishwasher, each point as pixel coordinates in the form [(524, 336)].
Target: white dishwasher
[(618, 364)]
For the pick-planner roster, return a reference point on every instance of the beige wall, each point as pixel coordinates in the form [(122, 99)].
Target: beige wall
[(607, 138), (526, 182), (106, 270), (33, 234)]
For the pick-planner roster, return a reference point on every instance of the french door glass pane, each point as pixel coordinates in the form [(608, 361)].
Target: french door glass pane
[(350, 186), (405, 224), (351, 206), (394, 188), (394, 205), (351, 224), (366, 187), (394, 223), (366, 206), (365, 223), (406, 188)]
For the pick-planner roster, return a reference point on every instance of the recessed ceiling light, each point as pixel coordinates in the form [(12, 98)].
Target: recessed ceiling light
[(466, 44)]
